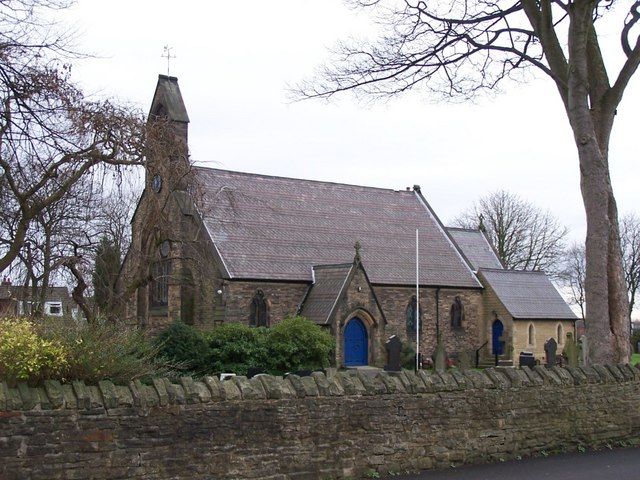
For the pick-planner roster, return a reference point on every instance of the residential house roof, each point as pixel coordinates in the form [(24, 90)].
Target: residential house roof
[(276, 228)]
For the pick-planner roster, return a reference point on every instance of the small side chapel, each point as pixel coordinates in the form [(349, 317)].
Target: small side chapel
[(211, 246)]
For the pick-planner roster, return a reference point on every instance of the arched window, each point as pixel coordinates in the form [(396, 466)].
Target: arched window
[(259, 316), (560, 334), (531, 336), (159, 285), (411, 316), (457, 313)]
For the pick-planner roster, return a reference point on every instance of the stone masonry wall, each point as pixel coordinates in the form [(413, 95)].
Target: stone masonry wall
[(394, 301), (311, 427)]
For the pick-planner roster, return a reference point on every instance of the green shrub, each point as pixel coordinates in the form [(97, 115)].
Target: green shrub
[(104, 351), (298, 344), (185, 346), (236, 347), (26, 356)]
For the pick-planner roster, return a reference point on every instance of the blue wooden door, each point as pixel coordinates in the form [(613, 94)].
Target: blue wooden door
[(355, 343), (497, 343)]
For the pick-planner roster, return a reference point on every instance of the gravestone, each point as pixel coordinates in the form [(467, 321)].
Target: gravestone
[(466, 359), (584, 349), (440, 359), (394, 349), (550, 349), (570, 351)]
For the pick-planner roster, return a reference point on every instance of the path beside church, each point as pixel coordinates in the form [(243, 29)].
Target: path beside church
[(618, 464)]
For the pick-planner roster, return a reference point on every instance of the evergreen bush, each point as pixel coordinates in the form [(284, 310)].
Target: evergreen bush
[(235, 348), (183, 345), (299, 344)]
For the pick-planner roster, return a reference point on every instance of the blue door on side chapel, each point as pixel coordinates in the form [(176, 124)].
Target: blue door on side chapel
[(355, 343), (497, 343)]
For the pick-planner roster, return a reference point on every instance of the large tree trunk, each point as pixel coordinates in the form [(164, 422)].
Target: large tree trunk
[(605, 291), (591, 118)]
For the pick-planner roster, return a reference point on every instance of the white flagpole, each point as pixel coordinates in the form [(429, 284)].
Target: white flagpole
[(417, 322)]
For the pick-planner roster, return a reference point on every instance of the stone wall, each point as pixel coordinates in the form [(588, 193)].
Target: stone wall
[(312, 427), (543, 330), (394, 301)]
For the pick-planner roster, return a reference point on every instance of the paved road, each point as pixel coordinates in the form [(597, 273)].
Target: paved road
[(619, 464)]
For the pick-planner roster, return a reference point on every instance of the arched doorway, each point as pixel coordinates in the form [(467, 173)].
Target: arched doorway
[(497, 344), (356, 343)]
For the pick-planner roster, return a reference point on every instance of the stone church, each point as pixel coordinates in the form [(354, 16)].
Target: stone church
[(211, 246)]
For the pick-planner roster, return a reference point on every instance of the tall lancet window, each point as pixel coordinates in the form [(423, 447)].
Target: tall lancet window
[(259, 316), (411, 316)]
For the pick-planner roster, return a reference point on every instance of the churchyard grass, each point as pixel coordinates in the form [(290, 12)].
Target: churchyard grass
[(635, 359)]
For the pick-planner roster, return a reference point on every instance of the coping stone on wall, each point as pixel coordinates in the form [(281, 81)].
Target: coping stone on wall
[(615, 372), (416, 382), (190, 391), (336, 389), (448, 382), (257, 387), (564, 376), (534, 377), (4, 394), (231, 390), (591, 374), (461, 379), (275, 387), (161, 390), (498, 378), (108, 390), (27, 396), (578, 375), (391, 383), (81, 394), (323, 383), (372, 385), (604, 373), (512, 375), (125, 399), (479, 379), (43, 399), (547, 375), (214, 386)]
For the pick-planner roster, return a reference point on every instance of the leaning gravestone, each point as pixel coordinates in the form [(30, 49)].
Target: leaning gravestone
[(550, 349), (394, 349)]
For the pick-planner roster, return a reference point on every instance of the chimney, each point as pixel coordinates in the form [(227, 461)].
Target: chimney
[(6, 282)]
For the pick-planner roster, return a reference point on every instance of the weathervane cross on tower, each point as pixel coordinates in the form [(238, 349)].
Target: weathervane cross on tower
[(167, 54)]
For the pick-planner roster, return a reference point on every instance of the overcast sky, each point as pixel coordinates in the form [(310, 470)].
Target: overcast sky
[(235, 59)]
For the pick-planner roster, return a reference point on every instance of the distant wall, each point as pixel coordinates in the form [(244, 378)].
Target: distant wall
[(311, 427)]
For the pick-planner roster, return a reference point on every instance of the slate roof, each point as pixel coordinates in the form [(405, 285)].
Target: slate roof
[(475, 247), (276, 228), (527, 295), (322, 297), (168, 94)]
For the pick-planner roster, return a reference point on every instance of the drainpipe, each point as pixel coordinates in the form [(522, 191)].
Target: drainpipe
[(438, 314)]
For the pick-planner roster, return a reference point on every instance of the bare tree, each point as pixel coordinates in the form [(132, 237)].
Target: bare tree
[(51, 136), (524, 236), (573, 275), (630, 234), (463, 47)]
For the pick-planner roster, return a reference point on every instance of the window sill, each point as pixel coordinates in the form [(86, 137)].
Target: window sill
[(158, 311)]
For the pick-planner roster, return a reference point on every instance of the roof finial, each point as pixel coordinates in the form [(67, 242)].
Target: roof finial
[(357, 246), (167, 54), (481, 226)]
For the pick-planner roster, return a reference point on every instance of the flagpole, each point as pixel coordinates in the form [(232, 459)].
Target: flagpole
[(417, 322)]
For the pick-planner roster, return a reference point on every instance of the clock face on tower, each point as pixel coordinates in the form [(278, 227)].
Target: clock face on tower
[(156, 183)]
